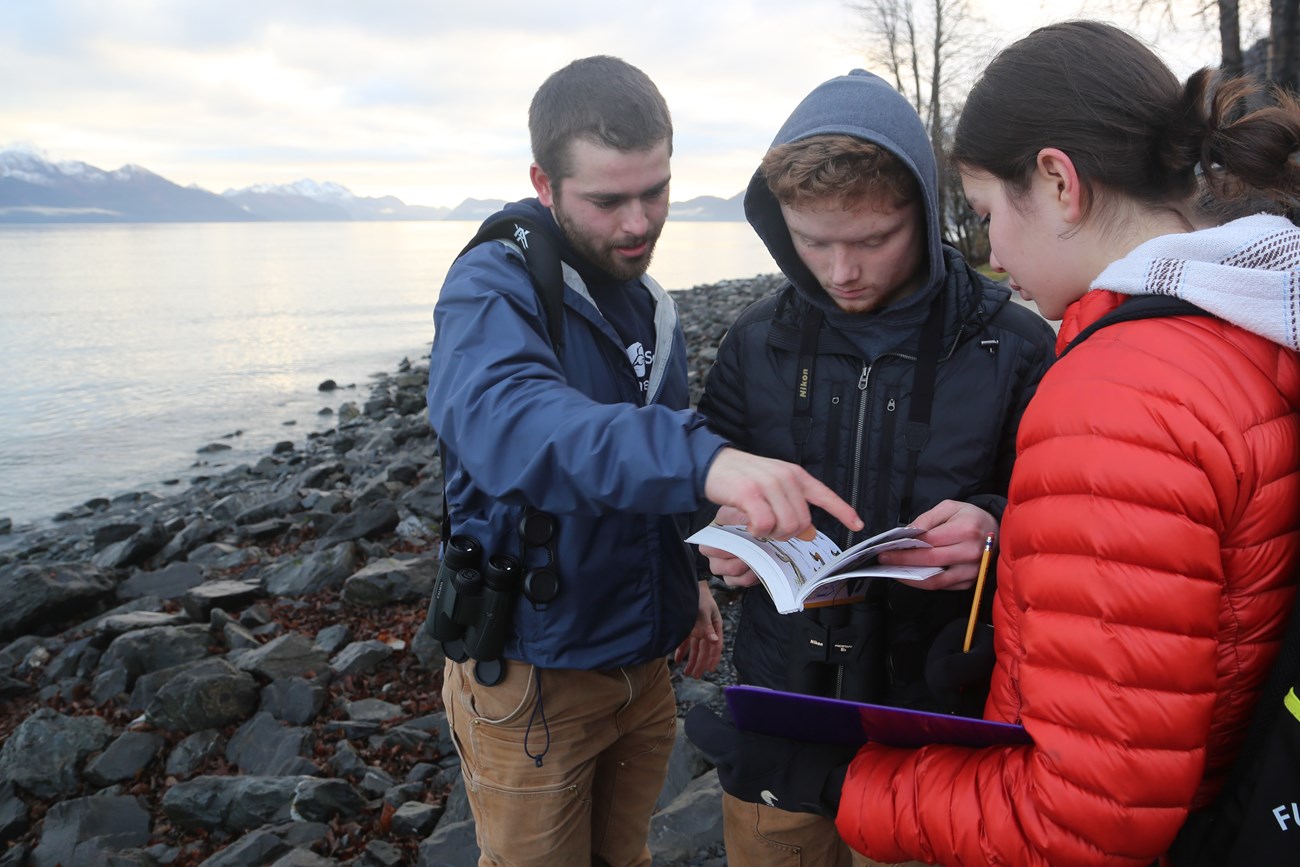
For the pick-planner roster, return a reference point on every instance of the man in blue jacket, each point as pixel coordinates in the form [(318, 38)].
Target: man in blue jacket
[(895, 374), (565, 755)]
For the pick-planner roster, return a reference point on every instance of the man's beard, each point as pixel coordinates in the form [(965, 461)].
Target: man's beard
[(602, 254)]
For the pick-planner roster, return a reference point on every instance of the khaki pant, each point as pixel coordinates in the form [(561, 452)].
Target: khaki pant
[(760, 836), (603, 738)]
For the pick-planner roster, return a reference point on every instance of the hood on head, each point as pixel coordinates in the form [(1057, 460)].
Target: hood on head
[(862, 105)]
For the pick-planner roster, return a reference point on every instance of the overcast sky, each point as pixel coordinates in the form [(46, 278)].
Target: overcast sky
[(423, 99)]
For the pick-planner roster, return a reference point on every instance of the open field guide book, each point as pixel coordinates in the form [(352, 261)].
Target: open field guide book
[(806, 574)]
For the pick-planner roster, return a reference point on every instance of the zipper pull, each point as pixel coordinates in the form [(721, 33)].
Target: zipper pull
[(889, 407), (862, 380)]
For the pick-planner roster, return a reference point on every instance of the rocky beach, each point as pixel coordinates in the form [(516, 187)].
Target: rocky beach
[(235, 674)]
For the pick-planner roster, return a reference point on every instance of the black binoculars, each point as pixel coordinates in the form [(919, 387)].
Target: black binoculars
[(835, 651), (472, 604)]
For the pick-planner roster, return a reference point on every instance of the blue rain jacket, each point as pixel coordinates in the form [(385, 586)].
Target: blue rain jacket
[(570, 437)]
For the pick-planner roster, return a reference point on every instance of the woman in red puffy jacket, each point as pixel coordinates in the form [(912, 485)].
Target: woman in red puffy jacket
[(1152, 538)]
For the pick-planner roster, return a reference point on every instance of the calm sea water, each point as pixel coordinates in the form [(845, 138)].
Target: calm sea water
[(126, 348)]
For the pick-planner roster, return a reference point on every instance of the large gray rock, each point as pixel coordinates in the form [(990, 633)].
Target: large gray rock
[(375, 710), (14, 815), (211, 694), (452, 844), (368, 522), (47, 593), (124, 758), (194, 534), (260, 847), (169, 582), (43, 754), (690, 824), (294, 700), (77, 659), (107, 534), (290, 655), (415, 819), (360, 657), (269, 509), (191, 753), (456, 808), (153, 649), (133, 551), (387, 581), (303, 858), (685, 763), (109, 628), (15, 856), (148, 685), (326, 569), (322, 800), (85, 830), (263, 745), (234, 803), (346, 762), (13, 653), (199, 601)]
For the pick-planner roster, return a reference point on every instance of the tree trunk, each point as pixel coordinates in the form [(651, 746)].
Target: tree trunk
[(1284, 44), (1230, 36)]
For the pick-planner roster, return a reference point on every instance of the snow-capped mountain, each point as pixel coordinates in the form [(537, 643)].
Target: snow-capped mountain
[(36, 190), (312, 200)]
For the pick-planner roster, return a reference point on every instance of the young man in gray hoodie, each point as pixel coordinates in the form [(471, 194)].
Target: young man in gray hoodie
[(895, 374)]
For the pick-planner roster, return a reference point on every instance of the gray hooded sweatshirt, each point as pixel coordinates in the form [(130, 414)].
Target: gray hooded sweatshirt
[(864, 106)]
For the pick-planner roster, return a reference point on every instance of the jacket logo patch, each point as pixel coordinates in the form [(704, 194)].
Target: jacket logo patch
[(521, 237)]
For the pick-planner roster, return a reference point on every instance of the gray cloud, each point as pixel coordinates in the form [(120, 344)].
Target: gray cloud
[(425, 100)]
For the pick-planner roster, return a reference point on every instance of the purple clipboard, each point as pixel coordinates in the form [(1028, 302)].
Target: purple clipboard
[(833, 721)]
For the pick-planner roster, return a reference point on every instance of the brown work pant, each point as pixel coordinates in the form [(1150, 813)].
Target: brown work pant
[(604, 738), (762, 836)]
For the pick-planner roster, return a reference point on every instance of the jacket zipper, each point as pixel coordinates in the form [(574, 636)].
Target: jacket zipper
[(863, 386)]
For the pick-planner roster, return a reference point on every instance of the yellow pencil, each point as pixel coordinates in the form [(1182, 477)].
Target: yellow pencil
[(979, 591)]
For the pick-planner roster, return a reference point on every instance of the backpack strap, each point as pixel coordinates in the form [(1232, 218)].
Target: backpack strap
[(543, 261), (1138, 307), (1213, 835), (916, 433), (542, 258)]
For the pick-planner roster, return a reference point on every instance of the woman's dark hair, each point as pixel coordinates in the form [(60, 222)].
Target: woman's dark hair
[(1128, 124), (603, 99)]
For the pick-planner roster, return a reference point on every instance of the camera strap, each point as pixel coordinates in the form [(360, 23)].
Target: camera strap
[(801, 419), (917, 431)]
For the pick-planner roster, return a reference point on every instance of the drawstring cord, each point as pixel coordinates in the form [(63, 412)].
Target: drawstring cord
[(545, 725)]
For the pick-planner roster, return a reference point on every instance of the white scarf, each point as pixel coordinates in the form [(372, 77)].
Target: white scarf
[(1246, 272)]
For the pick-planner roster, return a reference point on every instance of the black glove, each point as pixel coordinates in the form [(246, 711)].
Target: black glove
[(796, 776), (961, 680)]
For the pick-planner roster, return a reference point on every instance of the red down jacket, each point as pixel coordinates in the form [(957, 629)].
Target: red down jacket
[(1147, 565)]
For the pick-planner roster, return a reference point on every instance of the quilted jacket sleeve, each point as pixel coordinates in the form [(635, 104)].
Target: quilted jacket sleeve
[(1148, 535)]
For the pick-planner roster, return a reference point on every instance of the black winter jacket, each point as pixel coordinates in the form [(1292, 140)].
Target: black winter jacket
[(993, 353)]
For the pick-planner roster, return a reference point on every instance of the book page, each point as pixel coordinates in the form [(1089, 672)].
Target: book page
[(803, 559), (799, 562), (800, 574), (890, 540)]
